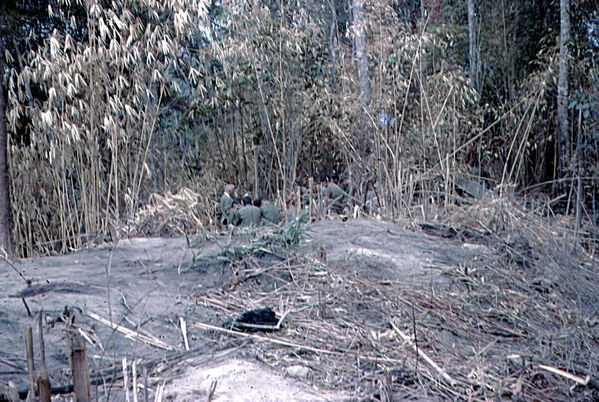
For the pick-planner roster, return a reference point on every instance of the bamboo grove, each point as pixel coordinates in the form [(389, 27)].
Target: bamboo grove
[(125, 99)]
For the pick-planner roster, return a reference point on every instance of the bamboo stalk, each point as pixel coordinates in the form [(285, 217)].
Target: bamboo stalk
[(134, 378), (126, 380)]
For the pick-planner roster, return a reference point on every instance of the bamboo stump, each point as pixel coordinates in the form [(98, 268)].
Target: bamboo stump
[(30, 365), (81, 384), (43, 385)]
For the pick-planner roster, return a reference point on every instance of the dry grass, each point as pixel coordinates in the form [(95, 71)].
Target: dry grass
[(170, 215), (491, 325)]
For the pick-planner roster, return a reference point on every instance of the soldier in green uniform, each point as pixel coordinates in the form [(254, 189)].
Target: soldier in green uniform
[(226, 203), (268, 211), (234, 217), (346, 185), (333, 195), (249, 215)]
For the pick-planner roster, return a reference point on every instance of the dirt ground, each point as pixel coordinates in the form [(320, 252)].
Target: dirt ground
[(149, 285)]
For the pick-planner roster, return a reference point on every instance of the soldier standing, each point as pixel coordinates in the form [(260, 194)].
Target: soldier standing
[(226, 203)]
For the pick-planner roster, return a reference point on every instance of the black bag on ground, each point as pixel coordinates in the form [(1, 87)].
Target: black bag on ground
[(262, 319)]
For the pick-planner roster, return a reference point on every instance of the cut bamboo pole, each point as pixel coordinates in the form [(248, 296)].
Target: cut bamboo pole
[(298, 204), (264, 339), (81, 384), (159, 392), (43, 385), (30, 364), (211, 391)]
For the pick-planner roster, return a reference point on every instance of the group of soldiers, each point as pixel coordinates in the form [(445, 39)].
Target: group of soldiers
[(245, 211), (336, 192)]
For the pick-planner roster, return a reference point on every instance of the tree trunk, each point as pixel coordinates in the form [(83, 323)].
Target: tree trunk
[(562, 87), (6, 237), (473, 46), (333, 35), (361, 56)]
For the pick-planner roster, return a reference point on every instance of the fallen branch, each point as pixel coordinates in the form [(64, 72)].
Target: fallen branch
[(264, 339), (581, 381), (406, 338), (129, 333), (184, 332)]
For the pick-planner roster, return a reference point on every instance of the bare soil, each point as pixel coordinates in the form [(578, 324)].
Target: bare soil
[(147, 285)]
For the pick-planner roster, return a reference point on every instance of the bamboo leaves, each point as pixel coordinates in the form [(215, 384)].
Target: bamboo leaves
[(103, 97)]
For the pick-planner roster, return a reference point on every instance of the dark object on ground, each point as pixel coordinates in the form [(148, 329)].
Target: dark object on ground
[(262, 319), (402, 377), (519, 251), (448, 232), (439, 230)]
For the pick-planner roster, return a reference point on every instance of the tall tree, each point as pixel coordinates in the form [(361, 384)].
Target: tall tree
[(562, 86), (473, 48), (6, 235), (334, 35)]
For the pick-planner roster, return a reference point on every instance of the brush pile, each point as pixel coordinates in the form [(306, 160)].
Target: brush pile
[(169, 215)]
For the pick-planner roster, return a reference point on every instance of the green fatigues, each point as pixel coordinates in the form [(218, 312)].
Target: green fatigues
[(226, 203), (348, 197), (269, 213), (336, 195), (234, 217), (249, 215)]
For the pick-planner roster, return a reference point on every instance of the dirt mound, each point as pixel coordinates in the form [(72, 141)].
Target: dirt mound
[(369, 309)]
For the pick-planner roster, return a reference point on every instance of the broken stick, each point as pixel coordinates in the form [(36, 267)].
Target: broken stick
[(406, 338), (184, 332), (129, 333), (579, 380), (264, 339), (211, 391)]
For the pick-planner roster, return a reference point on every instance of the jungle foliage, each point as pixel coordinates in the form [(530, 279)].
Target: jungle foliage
[(111, 101)]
